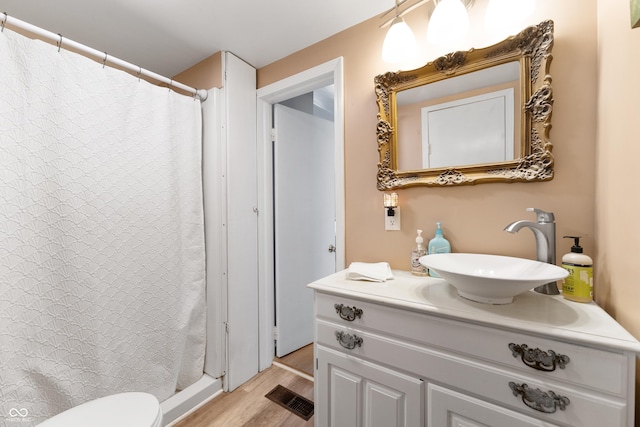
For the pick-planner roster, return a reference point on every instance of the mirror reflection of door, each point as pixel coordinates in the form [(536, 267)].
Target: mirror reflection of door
[(473, 130), (304, 211), (472, 119)]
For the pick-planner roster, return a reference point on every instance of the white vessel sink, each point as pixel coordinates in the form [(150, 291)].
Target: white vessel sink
[(491, 279)]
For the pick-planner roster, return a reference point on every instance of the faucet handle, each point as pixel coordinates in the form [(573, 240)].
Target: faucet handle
[(542, 216)]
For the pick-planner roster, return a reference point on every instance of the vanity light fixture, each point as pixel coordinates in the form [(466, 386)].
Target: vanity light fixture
[(390, 203), (449, 22), (391, 212), (399, 44)]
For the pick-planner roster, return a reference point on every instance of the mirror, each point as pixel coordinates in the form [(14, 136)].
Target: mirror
[(482, 115)]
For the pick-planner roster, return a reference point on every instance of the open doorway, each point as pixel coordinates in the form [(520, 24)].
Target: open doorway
[(317, 78), (304, 211)]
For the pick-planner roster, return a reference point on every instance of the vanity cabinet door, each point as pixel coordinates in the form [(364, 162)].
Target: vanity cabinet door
[(448, 408), (352, 392)]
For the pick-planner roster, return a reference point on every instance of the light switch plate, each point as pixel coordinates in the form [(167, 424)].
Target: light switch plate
[(392, 223)]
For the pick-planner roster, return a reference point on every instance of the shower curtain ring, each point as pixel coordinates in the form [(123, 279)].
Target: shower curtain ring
[(4, 21), (60, 42), (104, 61), (170, 85), (139, 72)]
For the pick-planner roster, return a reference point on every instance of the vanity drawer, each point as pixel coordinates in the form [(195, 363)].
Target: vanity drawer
[(596, 369), (348, 311), (489, 382), (592, 368)]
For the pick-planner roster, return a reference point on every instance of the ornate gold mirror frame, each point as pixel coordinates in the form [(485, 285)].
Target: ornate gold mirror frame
[(532, 49)]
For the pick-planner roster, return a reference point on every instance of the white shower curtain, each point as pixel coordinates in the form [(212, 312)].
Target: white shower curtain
[(101, 233)]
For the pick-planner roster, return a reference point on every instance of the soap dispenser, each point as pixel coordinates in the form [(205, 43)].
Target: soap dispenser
[(418, 251), (438, 245), (578, 285)]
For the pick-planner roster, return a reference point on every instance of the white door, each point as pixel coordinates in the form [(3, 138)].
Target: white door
[(304, 220), (241, 221)]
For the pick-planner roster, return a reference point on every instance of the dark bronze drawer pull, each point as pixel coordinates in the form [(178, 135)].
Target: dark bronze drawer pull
[(348, 341), (543, 401), (537, 359), (347, 313)]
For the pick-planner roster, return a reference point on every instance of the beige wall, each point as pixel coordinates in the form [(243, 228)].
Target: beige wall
[(590, 159), (617, 151), (473, 217), (206, 74)]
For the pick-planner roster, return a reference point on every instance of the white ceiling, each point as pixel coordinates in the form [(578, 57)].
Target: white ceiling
[(168, 36)]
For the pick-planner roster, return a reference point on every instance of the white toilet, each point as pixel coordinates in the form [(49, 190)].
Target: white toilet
[(133, 409)]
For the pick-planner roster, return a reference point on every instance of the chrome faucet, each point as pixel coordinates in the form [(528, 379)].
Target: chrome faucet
[(545, 233)]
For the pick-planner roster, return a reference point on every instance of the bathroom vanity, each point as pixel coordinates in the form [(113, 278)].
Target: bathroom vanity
[(411, 352)]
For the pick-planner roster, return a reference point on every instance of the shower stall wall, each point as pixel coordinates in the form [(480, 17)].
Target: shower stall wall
[(102, 260), (214, 189)]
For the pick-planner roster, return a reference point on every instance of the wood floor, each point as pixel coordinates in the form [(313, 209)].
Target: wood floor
[(247, 406), (302, 360)]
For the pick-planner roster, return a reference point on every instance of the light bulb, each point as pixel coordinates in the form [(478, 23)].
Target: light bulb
[(400, 43), (449, 22)]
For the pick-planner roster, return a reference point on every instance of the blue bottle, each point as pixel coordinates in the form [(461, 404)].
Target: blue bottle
[(438, 245)]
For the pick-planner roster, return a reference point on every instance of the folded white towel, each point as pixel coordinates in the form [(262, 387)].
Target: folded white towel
[(373, 272)]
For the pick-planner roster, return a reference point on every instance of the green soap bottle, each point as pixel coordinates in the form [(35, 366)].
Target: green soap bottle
[(578, 285), (438, 245)]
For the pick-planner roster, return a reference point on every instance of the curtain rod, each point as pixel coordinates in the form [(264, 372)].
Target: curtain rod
[(96, 54)]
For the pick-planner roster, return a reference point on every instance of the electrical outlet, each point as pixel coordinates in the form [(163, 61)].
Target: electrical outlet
[(392, 223)]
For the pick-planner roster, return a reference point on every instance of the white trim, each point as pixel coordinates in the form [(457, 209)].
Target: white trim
[(214, 189), (330, 72), (190, 399), (293, 371)]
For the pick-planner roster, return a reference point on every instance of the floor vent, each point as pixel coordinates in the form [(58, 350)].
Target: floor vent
[(292, 401)]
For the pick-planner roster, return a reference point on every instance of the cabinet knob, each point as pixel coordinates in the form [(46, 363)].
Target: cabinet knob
[(348, 313), (348, 341), (537, 359), (543, 401)]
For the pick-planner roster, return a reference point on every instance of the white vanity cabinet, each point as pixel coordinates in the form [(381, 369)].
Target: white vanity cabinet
[(364, 393), (411, 352)]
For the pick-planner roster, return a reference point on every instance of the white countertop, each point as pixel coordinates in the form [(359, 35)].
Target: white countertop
[(531, 312)]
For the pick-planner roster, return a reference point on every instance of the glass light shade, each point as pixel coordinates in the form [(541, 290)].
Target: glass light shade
[(391, 200), (449, 22), (505, 17), (400, 43)]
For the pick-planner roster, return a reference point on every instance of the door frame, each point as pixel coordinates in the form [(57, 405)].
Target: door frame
[(330, 72)]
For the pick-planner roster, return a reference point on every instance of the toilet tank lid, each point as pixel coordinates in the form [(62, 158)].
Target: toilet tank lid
[(132, 409)]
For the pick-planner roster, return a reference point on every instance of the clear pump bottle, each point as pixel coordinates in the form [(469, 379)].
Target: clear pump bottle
[(418, 251)]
